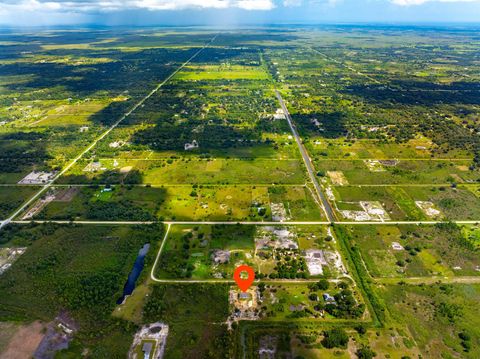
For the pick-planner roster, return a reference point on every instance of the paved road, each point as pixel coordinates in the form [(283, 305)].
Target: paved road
[(266, 223), (154, 267), (246, 184), (102, 136), (308, 163), (429, 280)]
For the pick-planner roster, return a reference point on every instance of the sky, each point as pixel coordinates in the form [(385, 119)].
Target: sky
[(234, 12)]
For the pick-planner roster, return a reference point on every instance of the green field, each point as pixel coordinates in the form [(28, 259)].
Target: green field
[(222, 73)]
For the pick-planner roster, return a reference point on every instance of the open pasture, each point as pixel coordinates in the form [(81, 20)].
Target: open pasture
[(221, 72)]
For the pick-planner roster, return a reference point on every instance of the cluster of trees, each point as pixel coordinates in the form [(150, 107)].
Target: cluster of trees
[(232, 233), (290, 265), (338, 338), (466, 341), (346, 306), (335, 338), (322, 284), (121, 210), (89, 290), (22, 149), (415, 93), (451, 311), (172, 136), (105, 177), (365, 352), (64, 281), (412, 251), (22, 236), (175, 262), (8, 206)]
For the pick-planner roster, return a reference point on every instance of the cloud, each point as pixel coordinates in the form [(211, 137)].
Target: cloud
[(420, 2), (292, 3), (116, 5), (255, 4), (203, 4)]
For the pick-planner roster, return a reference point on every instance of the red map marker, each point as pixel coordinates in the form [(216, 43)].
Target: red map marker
[(244, 283)]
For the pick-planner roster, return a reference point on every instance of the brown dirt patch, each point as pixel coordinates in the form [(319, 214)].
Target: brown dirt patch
[(457, 177), (24, 342), (66, 195), (126, 169), (337, 178), (7, 331)]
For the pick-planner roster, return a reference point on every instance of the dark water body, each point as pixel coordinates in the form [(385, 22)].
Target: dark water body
[(135, 273)]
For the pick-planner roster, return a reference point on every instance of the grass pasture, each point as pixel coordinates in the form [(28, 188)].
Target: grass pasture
[(191, 171), (226, 171), (221, 72)]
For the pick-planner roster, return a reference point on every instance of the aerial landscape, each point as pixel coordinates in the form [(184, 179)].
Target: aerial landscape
[(141, 166)]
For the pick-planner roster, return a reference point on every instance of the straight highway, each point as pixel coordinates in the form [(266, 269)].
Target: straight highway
[(308, 162)]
